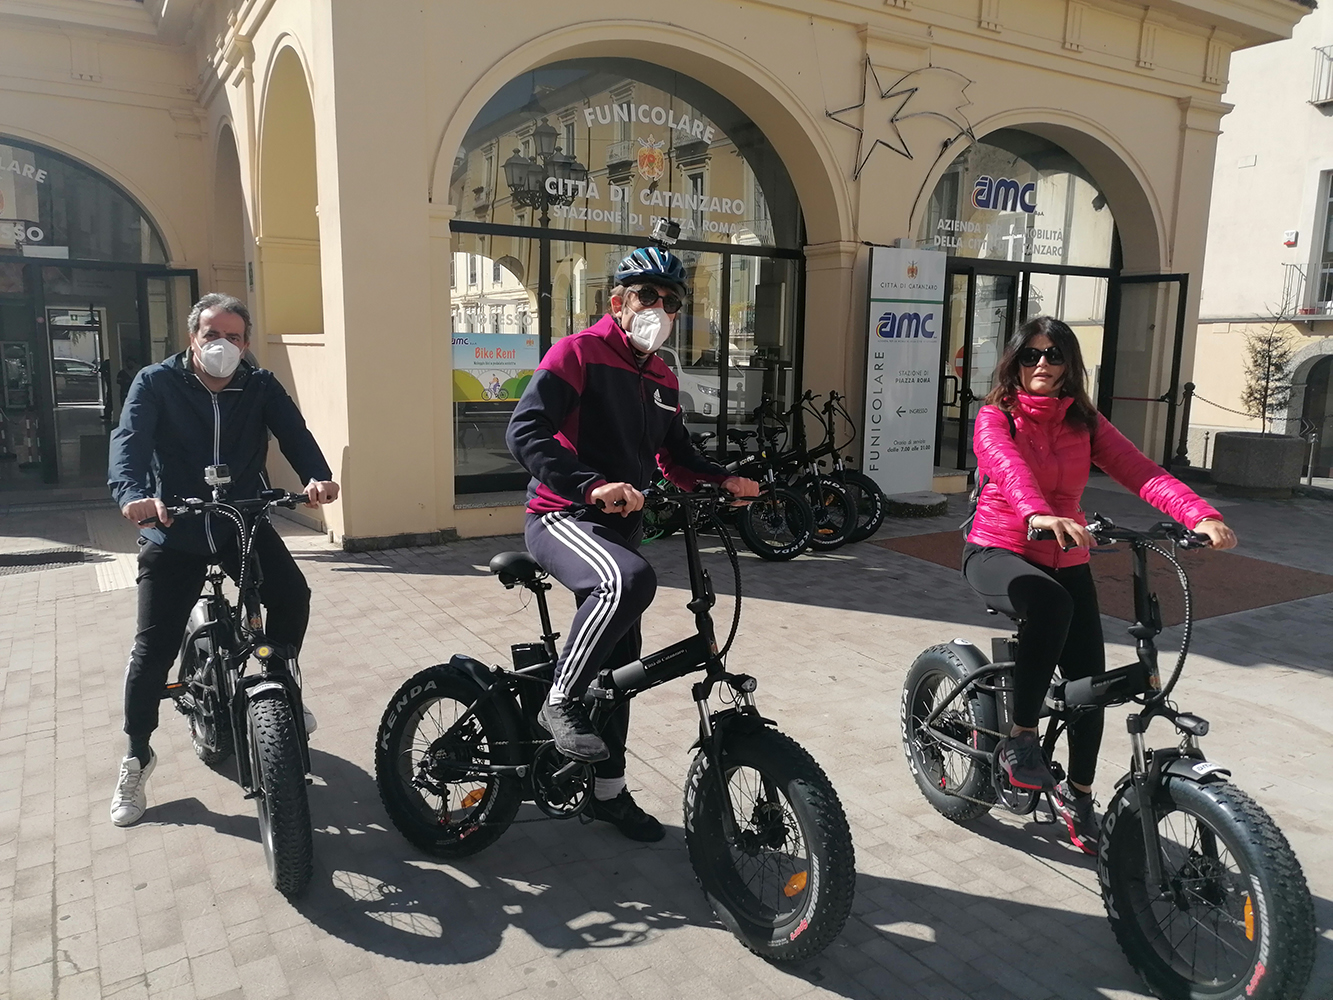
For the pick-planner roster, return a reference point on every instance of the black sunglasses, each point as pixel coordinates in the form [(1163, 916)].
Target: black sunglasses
[(648, 298), (1029, 356)]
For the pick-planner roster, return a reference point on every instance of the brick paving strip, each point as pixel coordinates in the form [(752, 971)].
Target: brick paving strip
[(180, 906)]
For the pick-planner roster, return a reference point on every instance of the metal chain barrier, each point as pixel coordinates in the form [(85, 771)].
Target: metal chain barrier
[(1240, 413)]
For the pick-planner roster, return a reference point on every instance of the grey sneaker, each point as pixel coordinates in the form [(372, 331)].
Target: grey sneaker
[(130, 801), (1021, 758), (572, 731), (1079, 812), (311, 723)]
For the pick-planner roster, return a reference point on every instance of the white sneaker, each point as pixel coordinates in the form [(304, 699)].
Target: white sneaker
[(311, 723), (130, 801)]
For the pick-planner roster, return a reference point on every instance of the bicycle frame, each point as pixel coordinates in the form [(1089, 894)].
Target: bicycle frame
[(614, 686), (1140, 681), (240, 635)]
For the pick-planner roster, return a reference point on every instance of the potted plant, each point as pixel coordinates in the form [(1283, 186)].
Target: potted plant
[(1246, 463)]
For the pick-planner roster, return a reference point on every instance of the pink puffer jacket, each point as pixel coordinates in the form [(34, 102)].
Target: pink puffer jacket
[(1042, 468)]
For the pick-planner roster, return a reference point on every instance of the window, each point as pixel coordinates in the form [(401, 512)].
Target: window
[(497, 272), (696, 199), (1326, 253), (453, 270), (472, 280), (569, 138)]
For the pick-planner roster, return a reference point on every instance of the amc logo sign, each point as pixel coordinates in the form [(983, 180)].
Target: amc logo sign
[(896, 326), (1004, 195)]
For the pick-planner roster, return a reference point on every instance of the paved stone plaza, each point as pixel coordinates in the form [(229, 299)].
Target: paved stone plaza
[(180, 906)]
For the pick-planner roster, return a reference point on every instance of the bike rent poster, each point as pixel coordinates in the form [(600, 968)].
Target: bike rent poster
[(491, 366), (905, 312)]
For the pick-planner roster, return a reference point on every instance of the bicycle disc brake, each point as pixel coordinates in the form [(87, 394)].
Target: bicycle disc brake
[(561, 787)]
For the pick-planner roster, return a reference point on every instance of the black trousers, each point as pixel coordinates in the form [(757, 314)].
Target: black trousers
[(170, 582), (1062, 626), (596, 556)]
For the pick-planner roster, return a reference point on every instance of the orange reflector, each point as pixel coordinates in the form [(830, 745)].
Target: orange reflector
[(472, 798), (1249, 919), (794, 884)]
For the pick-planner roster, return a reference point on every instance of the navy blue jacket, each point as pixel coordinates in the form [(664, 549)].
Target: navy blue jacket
[(593, 413), (172, 427)]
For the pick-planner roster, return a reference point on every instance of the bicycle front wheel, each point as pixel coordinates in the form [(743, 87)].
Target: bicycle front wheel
[(834, 511), (284, 810), (1234, 917), (784, 887), (870, 503), (778, 526)]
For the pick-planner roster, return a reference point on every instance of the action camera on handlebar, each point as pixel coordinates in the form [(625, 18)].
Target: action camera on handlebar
[(217, 475)]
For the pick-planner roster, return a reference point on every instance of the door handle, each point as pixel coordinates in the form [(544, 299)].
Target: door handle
[(953, 382)]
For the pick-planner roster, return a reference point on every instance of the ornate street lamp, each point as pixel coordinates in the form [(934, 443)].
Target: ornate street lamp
[(528, 179)]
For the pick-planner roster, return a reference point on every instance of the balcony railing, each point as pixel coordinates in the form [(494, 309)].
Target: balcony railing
[(1322, 91)]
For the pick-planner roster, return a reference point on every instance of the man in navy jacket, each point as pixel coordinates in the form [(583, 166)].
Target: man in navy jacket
[(202, 407)]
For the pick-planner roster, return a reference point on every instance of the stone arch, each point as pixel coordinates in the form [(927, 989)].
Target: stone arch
[(796, 134), (157, 218), (1132, 200), (231, 223), (288, 201), (1301, 366)]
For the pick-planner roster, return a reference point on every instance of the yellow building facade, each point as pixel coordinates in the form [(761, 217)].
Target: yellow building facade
[(346, 167)]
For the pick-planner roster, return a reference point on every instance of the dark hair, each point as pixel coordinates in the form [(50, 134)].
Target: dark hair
[(1009, 378), (217, 300)]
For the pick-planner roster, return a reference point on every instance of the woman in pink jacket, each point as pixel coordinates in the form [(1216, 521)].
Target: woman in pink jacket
[(1035, 439)]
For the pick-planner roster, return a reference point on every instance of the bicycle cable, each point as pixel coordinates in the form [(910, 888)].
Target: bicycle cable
[(736, 575), (1188, 630)]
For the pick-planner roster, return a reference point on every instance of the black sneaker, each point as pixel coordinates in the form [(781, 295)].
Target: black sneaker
[(1079, 811), (1021, 758), (624, 813), (573, 733)]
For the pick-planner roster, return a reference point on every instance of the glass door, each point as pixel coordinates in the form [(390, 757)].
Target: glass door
[(165, 301), (1140, 375), (980, 317)]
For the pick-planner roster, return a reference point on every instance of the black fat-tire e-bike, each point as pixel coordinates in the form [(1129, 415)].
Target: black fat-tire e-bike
[(257, 715), (1204, 894), (867, 498), (459, 749)]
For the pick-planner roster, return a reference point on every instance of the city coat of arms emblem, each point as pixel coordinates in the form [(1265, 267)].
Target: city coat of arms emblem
[(652, 161)]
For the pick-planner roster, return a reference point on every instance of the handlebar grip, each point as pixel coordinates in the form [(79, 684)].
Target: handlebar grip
[(1041, 535)]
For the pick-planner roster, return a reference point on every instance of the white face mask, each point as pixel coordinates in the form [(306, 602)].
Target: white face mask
[(219, 358), (649, 329)]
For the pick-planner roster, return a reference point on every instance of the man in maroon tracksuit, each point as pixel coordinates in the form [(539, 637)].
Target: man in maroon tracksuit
[(597, 422)]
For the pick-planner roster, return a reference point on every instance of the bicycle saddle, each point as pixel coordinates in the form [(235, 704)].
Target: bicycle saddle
[(516, 567)]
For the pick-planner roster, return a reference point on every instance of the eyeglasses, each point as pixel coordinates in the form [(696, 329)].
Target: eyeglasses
[(1029, 356), (648, 297)]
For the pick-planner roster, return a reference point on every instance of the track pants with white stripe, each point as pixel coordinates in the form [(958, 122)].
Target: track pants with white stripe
[(596, 556)]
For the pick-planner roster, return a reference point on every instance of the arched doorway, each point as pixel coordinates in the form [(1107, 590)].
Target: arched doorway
[(289, 283), (564, 171), (1317, 414), (230, 223), (86, 300), (1031, 229)]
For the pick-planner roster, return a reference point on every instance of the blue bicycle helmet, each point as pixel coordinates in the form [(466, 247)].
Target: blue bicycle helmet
[(658, 267)]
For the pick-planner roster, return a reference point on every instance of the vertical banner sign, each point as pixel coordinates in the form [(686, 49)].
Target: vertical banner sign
[(905, 316)]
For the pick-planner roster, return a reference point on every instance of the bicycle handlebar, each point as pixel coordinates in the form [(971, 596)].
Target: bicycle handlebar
[(1107, 532), (266, 498)]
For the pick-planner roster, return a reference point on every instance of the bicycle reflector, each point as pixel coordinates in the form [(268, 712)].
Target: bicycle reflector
[(1249, 919), (797, 882), (263, 652)]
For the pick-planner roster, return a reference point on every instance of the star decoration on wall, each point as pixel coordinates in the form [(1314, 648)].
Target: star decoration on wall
[(880, 118)]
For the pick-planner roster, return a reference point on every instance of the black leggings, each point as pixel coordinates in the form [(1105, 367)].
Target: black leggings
[(170, 581), (1062, 626)]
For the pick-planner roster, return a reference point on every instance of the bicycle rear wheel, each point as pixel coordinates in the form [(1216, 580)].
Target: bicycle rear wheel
[(1235, 918), (955, 783), (429, 752), (284, 810), (778, 525), (210, 722), (784, 888)]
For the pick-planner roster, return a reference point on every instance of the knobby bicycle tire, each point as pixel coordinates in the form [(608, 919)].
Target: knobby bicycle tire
[(412, 732), (958, 786), (870, 502), (284, 809), (804, 811), (777, 526), (834, 512), (210, 722), (1261, 914)]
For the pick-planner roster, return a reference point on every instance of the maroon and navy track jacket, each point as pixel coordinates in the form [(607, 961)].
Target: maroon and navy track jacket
[(592, 414)]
